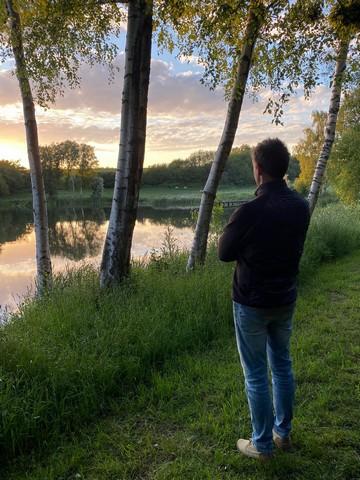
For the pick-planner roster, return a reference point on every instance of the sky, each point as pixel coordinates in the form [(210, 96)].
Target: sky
[(183, 115)]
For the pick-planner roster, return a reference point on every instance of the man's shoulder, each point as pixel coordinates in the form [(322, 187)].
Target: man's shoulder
[(247, 209), (299, 199)]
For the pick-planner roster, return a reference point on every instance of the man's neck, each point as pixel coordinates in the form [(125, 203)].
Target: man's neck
[(266, 179)]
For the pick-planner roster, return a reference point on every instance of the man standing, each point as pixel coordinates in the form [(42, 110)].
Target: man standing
[(265, 237)]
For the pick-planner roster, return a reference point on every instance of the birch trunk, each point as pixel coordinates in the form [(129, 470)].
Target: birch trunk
[(43, 261), (330, 127), (199, 245), (115, 263)]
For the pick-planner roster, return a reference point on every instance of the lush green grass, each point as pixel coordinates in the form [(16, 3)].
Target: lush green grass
[(163, 196), (22, 199), (184, 421), (334, 232), (149, 196), (69, 355)]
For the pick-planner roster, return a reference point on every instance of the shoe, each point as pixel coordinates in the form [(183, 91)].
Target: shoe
[(246, 447), (282, 443)]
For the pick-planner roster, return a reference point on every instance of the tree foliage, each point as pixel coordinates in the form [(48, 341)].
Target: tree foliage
[(70, 159), (13, 178), (344, 166), (57, 35), (308, 149), (195, 169), (295, 49)]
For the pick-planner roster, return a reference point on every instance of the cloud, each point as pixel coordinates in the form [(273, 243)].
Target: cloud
[(183, 115), (191, 59), (9, 89), (169, 92)]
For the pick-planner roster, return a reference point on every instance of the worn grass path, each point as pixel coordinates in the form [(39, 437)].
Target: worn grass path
[(185, 422)]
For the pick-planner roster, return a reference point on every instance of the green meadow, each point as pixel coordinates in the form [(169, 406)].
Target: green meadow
[(158, 196)]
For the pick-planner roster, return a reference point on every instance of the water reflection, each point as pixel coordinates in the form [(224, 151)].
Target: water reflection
[(75, 234), (177, 218), (78, 236), (14, 224)]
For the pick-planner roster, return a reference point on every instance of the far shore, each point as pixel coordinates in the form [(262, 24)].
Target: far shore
[(177, 196)]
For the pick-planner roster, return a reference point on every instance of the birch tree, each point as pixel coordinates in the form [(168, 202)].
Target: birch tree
[(346, 24), (43, 261), (47, 39), (330, 127), (116, 257), (198, 249), (277, 48)]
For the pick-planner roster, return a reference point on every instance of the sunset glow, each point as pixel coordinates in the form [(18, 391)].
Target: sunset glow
[(184, 116)]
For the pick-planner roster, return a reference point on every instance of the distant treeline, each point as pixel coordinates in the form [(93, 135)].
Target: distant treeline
[(70, 165), (195, 169), (65, 165), (13, 178)]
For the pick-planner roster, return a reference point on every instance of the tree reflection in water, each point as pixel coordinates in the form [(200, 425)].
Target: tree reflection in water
[(179, 218), (14, 224), (77, 234)]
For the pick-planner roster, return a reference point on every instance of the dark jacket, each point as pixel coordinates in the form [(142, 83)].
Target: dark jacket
[(266, 237)]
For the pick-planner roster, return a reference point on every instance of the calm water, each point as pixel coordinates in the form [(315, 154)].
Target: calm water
[(76, 236)]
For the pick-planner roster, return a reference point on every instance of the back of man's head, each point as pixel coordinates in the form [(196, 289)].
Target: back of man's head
[(272, 156)]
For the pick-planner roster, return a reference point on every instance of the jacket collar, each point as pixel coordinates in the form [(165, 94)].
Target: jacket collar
[(270, 187)]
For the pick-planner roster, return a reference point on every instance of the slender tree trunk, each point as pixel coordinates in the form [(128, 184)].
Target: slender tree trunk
[(72, 179), (116, 255), (330, 123), (43, 261), (199, 245)]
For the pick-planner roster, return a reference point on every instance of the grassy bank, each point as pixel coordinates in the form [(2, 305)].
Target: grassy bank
[(184, 421), (334, 232), (66, 357), (149, 196)]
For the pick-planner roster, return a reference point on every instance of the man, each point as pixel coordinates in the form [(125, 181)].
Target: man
[(265, 237)]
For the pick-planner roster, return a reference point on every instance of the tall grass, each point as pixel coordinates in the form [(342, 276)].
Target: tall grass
[(65, 356), (334, 232)]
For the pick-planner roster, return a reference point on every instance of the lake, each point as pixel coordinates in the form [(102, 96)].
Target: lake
[(76, 236)]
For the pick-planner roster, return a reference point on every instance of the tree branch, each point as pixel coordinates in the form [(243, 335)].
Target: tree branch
[(105, 2)]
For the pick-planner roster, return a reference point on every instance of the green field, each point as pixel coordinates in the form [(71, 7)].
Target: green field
[(161, 197)]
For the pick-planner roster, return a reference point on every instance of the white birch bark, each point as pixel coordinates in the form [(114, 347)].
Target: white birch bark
[(199, 244), (330, 126), (115, 263), (43, 261)]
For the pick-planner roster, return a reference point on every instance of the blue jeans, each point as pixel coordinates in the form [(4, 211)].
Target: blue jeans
[(261, 334)]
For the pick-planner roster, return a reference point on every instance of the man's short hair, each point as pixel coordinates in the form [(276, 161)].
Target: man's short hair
[(273, 156)]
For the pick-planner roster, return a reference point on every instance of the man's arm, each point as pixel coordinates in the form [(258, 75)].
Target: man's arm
[(230, 242)]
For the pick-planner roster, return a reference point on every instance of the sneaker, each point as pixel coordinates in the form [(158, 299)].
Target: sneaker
[(282, 443), (246, 447)]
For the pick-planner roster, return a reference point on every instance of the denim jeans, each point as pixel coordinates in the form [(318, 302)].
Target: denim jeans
[(262, 337)]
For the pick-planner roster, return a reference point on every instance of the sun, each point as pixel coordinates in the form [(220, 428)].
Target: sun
[(13, 151)]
